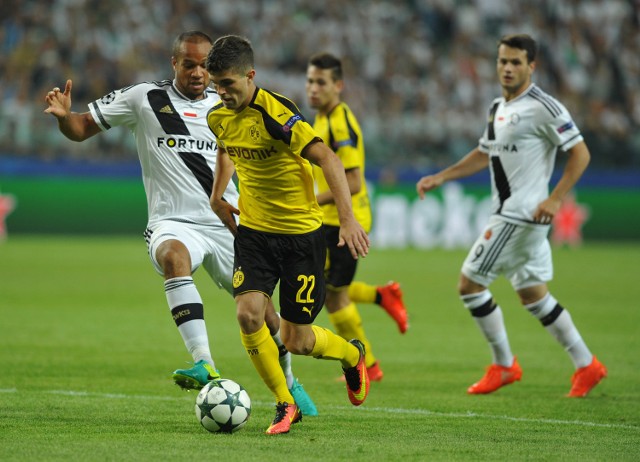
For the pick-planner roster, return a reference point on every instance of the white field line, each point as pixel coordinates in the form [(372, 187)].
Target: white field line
[(382, 410)]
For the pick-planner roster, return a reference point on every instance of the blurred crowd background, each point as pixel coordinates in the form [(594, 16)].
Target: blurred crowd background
[(419, 73)]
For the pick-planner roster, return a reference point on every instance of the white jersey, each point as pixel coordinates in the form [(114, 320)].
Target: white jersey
[(521, 139), (177, 150)]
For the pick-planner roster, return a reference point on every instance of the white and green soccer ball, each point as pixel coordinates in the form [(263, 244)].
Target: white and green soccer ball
[(223, 406)]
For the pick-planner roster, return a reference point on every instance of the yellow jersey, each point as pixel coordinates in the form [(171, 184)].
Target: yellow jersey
[(265, 141), (341, 132)]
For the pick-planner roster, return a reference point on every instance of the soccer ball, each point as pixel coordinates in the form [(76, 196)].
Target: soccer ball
[(223, 406)]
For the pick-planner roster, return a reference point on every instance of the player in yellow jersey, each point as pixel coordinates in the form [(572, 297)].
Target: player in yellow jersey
[(340, 130), (176, 149), (279, 237)]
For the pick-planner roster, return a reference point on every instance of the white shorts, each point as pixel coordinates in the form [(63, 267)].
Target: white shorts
[(209, 246), (521, 252)]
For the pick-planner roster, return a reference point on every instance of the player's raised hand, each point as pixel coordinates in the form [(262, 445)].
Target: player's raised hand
[(59, 102)]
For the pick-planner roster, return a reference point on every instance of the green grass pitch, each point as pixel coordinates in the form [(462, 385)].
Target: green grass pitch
[(87, 347)]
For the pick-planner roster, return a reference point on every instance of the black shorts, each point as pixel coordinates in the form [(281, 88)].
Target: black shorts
[(296, 260), (340, 268)]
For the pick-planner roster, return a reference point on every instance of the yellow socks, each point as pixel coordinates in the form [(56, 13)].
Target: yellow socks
[(331, 346), (348, 324), (263, 353), (360, 292)]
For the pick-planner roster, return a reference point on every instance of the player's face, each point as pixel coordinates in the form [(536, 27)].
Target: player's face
[(323, 93), (192, 78), (514, 71), (234, 88)]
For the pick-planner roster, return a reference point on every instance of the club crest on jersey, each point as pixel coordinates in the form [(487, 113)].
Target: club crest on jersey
[(254, 132), (108, 99), (238, 278), (514, 119), (291, 122)]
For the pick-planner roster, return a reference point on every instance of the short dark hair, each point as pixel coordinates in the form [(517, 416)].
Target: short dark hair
[(231, 52), (194, 36), (521, 42), (327, 61)]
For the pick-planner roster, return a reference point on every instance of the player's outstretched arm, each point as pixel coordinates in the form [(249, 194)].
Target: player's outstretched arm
[(428, 183), (468, 165), (73, 125), (351, 232)]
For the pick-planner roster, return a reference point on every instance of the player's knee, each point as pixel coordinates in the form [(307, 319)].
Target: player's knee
[(297, 344), (298, 348), (250, 321), (466, 286), (174, 259)]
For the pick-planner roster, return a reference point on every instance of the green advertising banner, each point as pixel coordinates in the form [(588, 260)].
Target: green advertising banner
[(449, 217), (454, 215), (75, 205)]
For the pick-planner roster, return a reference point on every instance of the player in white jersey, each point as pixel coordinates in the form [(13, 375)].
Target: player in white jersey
[(177, 154), (524, 129)]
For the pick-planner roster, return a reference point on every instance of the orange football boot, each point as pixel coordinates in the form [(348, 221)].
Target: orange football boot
[(585, 378), (357, 377), (497, 376), (391, 301), (286, 415)]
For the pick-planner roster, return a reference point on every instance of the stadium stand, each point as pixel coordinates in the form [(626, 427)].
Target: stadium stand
[(418, 71)]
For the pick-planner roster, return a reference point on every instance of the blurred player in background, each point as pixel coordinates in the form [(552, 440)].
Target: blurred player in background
[(524, 129), (340, 130), (265, 139), (388, 296), (177, 155)]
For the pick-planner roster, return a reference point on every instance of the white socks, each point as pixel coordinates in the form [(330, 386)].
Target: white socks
[(488, 317), (187, 310), (557, 321)]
